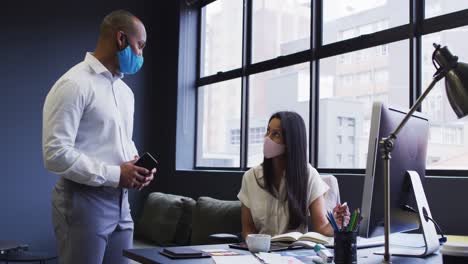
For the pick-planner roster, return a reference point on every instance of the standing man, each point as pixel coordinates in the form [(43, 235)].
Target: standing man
[(87, 141)]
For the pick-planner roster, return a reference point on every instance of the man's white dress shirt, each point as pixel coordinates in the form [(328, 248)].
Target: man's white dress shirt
[(270, 214), (88, 125)]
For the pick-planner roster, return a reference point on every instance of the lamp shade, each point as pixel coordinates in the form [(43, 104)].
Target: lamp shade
[(456, 79), (456, 85)]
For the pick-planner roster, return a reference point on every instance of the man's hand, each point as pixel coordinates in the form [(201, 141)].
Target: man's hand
[(148, 178), (132, 176)]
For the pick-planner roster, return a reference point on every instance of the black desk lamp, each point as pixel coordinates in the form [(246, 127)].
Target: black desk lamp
[(456, 85)]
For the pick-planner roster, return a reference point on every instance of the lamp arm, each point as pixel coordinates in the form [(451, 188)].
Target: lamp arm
[(387, 147), (418, 102)]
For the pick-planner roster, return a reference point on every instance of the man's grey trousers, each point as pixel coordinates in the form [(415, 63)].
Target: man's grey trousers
[(92, 224)]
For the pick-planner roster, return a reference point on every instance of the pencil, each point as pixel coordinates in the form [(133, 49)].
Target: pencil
[(358, 218), (353, 219)]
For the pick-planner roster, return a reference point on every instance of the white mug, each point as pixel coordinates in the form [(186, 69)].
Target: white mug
[(258, 242)]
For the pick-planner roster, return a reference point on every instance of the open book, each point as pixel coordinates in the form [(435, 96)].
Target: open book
[(297, 236)]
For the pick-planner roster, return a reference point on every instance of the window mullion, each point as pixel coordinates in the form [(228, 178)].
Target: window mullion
[(315, 45), (416, 21), (246, 58)]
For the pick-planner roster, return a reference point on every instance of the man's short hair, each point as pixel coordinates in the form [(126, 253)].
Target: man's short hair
[(117, 20)]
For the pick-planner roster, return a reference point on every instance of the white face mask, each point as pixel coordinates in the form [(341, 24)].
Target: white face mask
[(272, 149)]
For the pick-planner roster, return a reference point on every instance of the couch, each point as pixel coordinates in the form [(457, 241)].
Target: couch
[(170, 220), (173, 220)]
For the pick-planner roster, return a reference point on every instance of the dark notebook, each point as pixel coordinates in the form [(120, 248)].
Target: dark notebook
[(183, 253)]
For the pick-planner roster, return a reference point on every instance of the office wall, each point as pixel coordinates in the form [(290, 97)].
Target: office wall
[(41, 40)]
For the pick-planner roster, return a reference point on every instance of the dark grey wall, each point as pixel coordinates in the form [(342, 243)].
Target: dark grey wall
[(39, 41)]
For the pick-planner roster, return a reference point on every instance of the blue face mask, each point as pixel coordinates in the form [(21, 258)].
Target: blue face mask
[(129, 62)]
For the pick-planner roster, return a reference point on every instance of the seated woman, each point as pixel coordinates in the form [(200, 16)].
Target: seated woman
[(279, 195)]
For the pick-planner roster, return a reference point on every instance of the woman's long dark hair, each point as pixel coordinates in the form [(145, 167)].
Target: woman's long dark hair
[(294, 135)]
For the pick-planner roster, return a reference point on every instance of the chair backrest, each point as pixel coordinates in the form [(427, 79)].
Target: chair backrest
[(332, 196)]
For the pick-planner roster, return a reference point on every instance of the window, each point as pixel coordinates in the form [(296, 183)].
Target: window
[(441, 7), (347, 34), (276, 90), (303, 85), (340, 121), (219, 135), (255, 58), (235, 136), (365, 77), (446, 130), (257, 134), (381, 75), (347, 100), (279, 28), (353, 18), (363, 29), (221, 38)]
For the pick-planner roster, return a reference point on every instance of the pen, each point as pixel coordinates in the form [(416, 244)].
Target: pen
[(331, 219), (258, 258), (334, 221), (342, 216)]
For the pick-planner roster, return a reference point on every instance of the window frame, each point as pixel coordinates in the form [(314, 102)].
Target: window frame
[(413, 32)]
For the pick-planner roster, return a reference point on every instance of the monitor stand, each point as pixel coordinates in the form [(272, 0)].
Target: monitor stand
[(431, 242)]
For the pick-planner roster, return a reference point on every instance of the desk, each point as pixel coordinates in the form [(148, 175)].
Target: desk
[(26, 256), (6, 245), (365, 256), (12, 251), (455, 238)]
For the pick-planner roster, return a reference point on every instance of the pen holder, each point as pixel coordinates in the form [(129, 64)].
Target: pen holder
[(345, 247)]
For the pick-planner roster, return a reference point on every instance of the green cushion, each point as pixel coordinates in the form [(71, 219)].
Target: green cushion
[(184, 227), (212, 216), (165, 219)]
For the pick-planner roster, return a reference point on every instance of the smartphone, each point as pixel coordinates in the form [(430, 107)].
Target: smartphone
[(146, 161)]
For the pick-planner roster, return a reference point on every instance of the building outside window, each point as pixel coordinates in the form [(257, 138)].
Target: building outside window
[(348, 82), (235, 136)]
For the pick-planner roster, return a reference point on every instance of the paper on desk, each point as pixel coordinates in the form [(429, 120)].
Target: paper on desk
[(220, 252), (273, 258), (244, 259)]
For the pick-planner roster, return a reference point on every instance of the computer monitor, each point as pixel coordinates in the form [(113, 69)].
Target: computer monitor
[(409, 153), (407, 170)]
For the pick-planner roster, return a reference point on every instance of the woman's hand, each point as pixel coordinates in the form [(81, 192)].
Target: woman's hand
[(341, 214)]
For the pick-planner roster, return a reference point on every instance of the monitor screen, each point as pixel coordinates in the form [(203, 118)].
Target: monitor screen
[(409, 153)]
